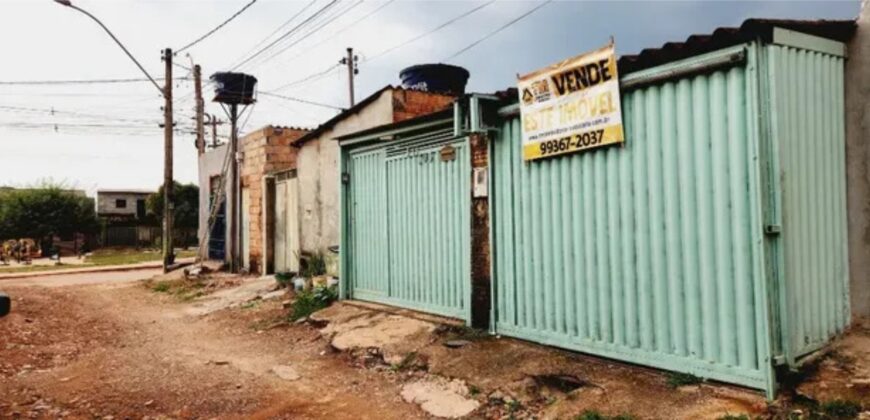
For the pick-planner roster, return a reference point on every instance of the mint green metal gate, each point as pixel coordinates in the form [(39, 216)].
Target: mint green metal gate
[(651, 253), (410, 225)]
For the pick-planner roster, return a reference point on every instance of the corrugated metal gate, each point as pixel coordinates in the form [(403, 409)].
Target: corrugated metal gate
[(808, 128), (650, 253), (409, 224)]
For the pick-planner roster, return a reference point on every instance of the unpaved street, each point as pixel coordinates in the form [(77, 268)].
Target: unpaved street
[(118, 349), (111, 346)]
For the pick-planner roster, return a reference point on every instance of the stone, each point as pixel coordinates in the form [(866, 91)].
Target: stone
[(440, 397), (455, 344), (286, 372)]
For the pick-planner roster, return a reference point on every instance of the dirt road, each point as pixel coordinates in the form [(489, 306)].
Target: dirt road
[(96, 348), (106, 346)]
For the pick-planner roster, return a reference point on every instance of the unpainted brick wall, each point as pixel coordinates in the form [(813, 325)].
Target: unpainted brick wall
[(265, 151), (413, 103), (480, 246)]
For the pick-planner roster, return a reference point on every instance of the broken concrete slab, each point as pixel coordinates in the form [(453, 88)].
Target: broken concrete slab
[(440, 397), (232, 297), (286, 372)]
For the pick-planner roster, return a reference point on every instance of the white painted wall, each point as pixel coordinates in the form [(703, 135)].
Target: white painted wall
[(211, 164)]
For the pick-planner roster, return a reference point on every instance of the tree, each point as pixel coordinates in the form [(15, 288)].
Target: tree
[(185, 214), (45, 211)]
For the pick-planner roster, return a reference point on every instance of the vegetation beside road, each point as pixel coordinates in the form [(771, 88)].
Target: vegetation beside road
[(102, 258)]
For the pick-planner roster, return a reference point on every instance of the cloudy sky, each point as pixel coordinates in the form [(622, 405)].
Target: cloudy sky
[(102, 135)]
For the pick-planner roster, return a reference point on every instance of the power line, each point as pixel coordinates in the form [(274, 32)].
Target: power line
[(310, 77), (77, 82), (304, 101), (279, 28), (53, 111), (288, 33), (207, 34), (350, 25), (503, 27), (425, 34), (312, 32)]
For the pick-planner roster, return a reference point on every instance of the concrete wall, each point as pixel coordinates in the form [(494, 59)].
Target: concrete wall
[(211, 164), (106, 202), (317, 166), (319, 178), (857, 155), (265, 151)]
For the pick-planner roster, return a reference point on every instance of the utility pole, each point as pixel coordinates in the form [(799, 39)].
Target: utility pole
[(168, 256), (352, 70), (235, 220), (214, 124), (200, 108)]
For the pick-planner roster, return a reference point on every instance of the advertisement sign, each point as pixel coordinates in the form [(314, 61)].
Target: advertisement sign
[(571, 106)]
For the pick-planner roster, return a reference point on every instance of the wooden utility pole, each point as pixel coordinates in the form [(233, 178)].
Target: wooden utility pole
[(235, 220), (168, 256), (200, 108), (352, 71)]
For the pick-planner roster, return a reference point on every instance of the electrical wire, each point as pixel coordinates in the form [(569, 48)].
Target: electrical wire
[(78, 82), (344, 29), (209, 33), (310, 77), (501, 28), (288, 33), (304, 101), (431, 31), (326, 22), (54, 111), (279, 28)]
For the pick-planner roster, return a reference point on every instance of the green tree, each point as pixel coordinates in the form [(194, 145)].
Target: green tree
[(185, 214), (44, 211)]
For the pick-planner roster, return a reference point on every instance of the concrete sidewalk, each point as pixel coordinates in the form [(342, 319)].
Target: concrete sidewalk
[(95, 269)]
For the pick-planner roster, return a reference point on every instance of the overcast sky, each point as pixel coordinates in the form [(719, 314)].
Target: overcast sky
[(106, 135)]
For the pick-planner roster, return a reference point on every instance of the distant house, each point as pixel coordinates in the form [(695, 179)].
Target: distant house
[(122, 204), (125, 218)]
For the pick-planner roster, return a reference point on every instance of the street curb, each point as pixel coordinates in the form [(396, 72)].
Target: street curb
[(103, 269)]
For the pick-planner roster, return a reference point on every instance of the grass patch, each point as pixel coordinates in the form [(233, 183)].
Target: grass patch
[(734, 417), (130, 256), (840, 409), (310, 301), (183, 290), (677, 379), (473, 390), (594, 415), (101, 258), (40, 268)]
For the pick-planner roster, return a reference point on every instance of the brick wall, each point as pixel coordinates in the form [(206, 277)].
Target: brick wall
[(412, 103), (265, 151), (480, 246)]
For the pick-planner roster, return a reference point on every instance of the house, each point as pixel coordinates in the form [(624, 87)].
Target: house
[(714, 241), (262, 152), (125, 218), (122, 204), (312, 187)]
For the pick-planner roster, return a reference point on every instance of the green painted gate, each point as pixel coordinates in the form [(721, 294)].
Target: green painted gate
[(409, 224), (653, 252)]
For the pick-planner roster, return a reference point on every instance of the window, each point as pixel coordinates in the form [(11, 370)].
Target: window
[(120, 203)]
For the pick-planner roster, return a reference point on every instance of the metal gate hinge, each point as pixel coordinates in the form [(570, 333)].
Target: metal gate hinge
[(772, 229)]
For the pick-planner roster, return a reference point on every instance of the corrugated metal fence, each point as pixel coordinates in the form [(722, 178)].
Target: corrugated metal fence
[(410, 225), (652, 252)]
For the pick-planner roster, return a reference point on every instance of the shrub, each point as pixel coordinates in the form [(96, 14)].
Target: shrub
[(310, 301)]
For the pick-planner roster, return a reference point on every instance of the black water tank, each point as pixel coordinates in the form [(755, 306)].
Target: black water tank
[(440, 78), (234, 88)]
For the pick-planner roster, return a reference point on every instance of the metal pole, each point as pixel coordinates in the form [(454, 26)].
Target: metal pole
[(351, 70), (200, 108), (235, 261), (168, 256), (214, 142)]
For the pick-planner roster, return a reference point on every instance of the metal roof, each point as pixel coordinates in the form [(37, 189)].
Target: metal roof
[(751, 29)]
